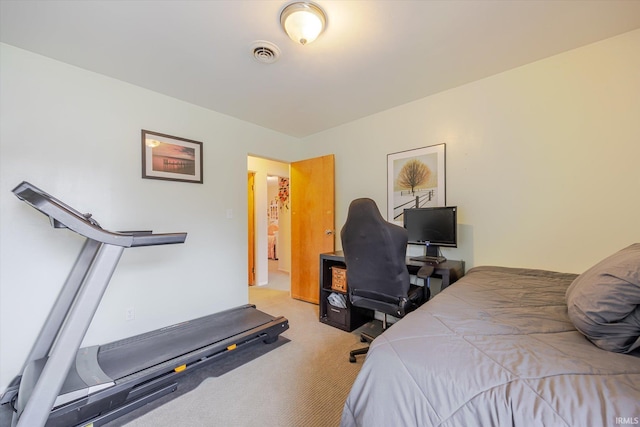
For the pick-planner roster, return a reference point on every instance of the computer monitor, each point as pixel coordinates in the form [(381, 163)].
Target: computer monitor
[(433, 227)]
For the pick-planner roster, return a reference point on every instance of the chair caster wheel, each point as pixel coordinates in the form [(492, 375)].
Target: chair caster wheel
[(352, 359)]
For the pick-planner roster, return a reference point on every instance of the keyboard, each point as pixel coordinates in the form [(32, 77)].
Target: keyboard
[(429, 259)]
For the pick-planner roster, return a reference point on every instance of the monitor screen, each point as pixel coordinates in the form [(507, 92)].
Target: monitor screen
[(432, 226)]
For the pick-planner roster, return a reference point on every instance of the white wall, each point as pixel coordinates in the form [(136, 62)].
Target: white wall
[(542, 160), (76, 135)]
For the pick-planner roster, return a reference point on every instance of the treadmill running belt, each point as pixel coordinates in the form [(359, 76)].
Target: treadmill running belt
[(125, 357)]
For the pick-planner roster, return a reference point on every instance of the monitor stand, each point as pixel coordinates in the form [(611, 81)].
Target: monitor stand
[(432, 250), (432, 255)]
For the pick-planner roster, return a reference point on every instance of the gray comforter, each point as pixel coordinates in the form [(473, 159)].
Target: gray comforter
[(496, 348)]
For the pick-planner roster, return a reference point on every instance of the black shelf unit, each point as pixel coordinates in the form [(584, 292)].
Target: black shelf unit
[(348, 318)]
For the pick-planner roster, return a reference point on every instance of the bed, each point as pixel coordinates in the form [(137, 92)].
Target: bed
[(501, 347)]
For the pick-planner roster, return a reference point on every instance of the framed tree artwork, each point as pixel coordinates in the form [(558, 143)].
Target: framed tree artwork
[(415, 179)]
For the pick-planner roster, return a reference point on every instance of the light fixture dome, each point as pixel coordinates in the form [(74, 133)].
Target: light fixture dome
[(303, 21)]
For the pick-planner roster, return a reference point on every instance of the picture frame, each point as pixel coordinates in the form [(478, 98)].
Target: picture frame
[(415, 178), (171, 158)]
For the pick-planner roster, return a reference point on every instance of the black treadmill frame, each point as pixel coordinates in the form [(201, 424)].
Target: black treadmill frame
[(45, 370)]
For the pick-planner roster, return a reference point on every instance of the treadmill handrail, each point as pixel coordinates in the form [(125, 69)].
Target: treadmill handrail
[(62, 215)]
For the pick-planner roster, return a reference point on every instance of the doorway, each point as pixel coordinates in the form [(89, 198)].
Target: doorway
[(278, 228), (270, 240), (251, 227), (309, 230)]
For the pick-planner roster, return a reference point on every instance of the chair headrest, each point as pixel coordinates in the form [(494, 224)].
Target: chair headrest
[(364, 209), (374, 251)]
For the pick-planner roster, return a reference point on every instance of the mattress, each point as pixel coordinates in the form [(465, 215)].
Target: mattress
[(496, 348)]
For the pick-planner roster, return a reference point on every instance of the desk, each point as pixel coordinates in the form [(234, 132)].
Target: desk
[(350, 318), (449, 271)]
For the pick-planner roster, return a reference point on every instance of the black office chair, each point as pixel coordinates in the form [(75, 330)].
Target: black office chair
[(375, 257)]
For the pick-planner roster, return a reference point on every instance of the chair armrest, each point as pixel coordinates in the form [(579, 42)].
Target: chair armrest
[(425, 271)]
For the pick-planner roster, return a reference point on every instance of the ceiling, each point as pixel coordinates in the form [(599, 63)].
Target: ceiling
[(374, 55)]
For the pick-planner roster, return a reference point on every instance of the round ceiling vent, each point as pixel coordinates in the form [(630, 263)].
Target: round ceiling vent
[(265, 52)]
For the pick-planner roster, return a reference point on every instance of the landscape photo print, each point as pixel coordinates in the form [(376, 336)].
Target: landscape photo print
[(415, 179), (171, 158)]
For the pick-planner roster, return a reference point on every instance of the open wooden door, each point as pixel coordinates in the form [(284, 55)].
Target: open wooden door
[(251, 222), (312, 223)]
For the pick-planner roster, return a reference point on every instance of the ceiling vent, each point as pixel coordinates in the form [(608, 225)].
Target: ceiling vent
[(265, 52)]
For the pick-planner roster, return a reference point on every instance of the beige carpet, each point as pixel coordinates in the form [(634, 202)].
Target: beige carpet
[(278, 279), (303, 382)]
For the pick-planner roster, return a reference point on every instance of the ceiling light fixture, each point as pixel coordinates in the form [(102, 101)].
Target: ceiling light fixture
[(303, 21)]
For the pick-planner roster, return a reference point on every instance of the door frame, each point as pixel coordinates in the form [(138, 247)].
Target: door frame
[(251, 229)]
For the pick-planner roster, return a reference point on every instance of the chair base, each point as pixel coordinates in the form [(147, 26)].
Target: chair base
[(354, 353), (364, 337), (368, 338)]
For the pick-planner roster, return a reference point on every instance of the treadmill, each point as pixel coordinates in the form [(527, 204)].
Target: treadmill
[(63, 385)]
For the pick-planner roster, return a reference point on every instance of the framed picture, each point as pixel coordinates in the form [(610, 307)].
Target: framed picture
[(415, 179), (171, 158)]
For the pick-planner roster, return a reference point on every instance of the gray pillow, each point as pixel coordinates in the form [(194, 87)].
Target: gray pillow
[(604, 301)]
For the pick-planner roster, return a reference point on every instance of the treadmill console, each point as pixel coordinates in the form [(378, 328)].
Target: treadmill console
[(62, 215)]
